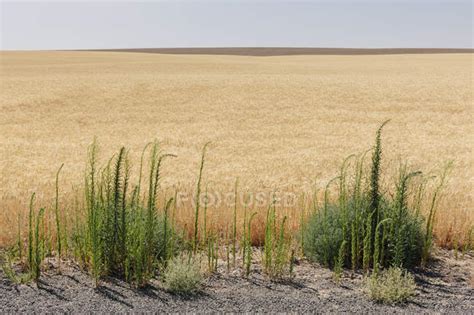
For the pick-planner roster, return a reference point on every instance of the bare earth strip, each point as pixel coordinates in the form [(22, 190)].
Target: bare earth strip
[(285, 51), (445, 288)]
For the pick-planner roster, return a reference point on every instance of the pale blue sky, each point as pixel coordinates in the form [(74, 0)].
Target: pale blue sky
[(339, 23)]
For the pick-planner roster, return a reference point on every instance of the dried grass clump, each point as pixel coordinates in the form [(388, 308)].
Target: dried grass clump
[(183, 275), (391, 286)]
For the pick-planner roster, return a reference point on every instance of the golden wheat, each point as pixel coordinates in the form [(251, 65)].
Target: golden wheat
[(282, 122)]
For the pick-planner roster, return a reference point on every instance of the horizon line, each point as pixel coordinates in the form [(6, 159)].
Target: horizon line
[(267, 50)]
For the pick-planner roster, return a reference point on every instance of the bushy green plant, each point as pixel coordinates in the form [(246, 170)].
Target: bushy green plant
[(377, 229), (323, 236), (164, 243), (183, 275), (391, 286), (125, 234)]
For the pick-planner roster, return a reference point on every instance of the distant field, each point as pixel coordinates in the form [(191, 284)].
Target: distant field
[(285, 51), (281, 122)]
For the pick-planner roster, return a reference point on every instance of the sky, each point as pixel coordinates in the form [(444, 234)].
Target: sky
[(43, 25)]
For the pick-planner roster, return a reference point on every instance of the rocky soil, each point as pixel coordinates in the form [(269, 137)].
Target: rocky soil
[(446, 287)]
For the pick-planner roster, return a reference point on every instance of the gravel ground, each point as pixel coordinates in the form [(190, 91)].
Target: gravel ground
[(446, 288)]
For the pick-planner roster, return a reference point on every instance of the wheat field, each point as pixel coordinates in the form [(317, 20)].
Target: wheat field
[(275, 123)]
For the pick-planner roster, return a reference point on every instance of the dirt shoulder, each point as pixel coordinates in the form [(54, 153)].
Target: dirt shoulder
[(446, 287)]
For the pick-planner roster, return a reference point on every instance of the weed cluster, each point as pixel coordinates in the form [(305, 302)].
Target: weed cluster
[(365, 228), (124, 233)]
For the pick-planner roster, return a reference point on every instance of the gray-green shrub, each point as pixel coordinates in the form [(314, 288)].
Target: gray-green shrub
[(393, 285), (182, 275)]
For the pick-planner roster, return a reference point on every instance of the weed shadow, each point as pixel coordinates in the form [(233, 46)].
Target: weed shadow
[(113, 295), (52, 290)]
